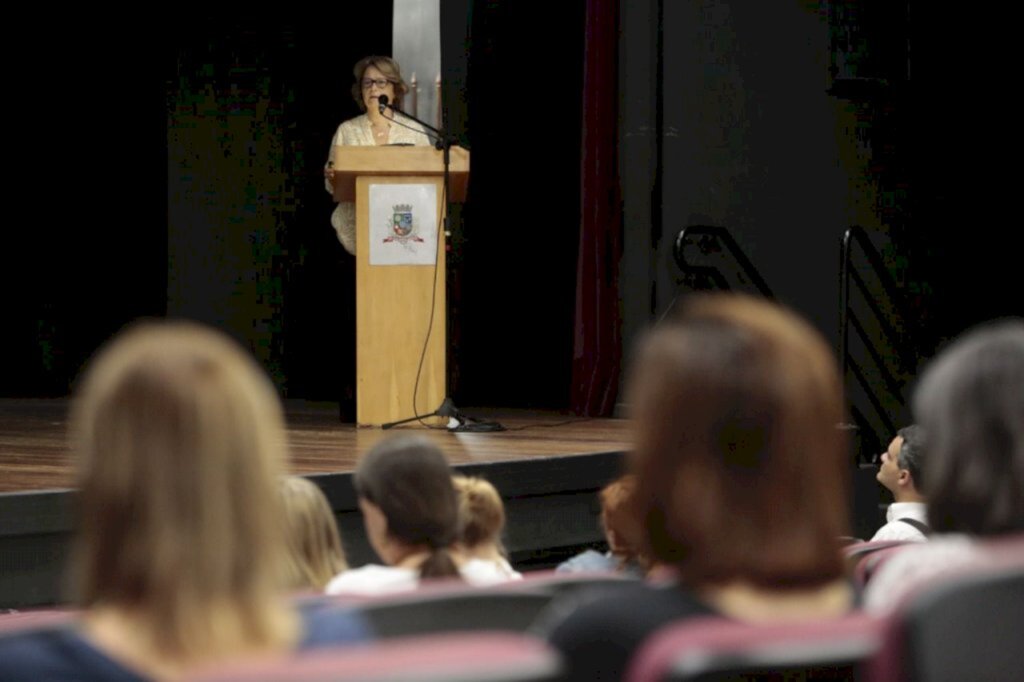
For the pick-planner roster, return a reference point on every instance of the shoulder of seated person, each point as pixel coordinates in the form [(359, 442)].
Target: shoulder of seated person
[(326, 624)]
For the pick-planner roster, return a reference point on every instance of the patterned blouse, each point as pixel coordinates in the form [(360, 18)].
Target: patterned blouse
[(358, 132)]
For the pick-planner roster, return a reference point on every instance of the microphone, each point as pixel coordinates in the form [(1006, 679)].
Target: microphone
[(383, 104)]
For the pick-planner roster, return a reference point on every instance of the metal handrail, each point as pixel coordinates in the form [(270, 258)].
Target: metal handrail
[(725, 238), (857, 236)]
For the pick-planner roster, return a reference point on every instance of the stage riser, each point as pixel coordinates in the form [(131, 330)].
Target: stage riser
[(551, 504)]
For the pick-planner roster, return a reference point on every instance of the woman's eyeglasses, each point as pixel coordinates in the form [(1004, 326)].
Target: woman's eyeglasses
[(381, 83)]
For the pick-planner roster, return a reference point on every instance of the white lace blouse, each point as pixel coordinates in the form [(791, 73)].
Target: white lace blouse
[(358, 132)]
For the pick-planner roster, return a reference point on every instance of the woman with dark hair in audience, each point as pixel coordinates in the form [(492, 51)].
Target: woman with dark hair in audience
[(411, 515), (179, 442), (970, 401), (741, 480), (315, 554)]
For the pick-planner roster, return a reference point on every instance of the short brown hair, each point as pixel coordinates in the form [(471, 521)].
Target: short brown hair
[(387, 66), (742, 469)]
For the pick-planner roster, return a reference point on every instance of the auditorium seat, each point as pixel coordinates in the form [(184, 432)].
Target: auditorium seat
[(471, 609), (558, 584), (715, 648), (964, 628), (442, 605), (20, 621), (864, 558), (479, 657)]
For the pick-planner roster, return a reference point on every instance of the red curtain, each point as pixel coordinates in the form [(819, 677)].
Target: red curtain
[(597, 343)]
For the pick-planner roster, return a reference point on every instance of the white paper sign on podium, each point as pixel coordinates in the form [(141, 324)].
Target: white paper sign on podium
[(403, 224)]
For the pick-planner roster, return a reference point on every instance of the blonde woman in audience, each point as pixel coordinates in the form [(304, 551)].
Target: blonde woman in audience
[(621, 531), (742, 481), (481, 522), (970, 401), (178, 444), (411, 515), (315, 552)]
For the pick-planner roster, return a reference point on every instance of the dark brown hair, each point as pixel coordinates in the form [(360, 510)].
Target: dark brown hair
[(409, 480), (742, 467)]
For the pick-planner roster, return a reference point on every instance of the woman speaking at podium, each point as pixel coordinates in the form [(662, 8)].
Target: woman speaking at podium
[(374, 77)]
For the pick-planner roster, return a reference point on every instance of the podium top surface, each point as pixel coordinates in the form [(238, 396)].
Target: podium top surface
[(350, 162)]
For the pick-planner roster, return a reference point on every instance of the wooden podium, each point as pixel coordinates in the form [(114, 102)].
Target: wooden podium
[(394, 302)]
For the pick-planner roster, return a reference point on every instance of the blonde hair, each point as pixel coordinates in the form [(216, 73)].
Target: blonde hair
[(315, 552), (178, 440), (481, 512)]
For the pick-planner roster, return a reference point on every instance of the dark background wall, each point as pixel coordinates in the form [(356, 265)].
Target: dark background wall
[(750, 140), (191, 156), (198, 192), (790, 124)]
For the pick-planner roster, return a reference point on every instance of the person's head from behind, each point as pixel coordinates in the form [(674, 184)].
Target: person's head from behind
[(742, 471), (900, 466), (179, 440), (376, 76), (621, 529), (481, 515), (315, 552), (970, 401), (409, 505)]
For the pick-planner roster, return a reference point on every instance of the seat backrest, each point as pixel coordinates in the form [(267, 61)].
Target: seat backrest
[(558, 584), (716, 648), (471, 609), (21, 621), (480, 657), (965, 628), (859, 549), (864, 558)]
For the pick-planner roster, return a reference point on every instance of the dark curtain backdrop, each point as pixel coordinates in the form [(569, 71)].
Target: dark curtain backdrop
[(252, 106), (597, 341), (200, 194), (514, 74), (197, 191), (85, 239)]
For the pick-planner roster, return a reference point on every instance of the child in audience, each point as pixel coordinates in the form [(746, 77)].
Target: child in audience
[(481, 522), (315, 552), (621, 531), (411, 515)]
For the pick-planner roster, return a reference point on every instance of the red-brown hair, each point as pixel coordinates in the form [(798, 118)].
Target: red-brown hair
[(742, 467)]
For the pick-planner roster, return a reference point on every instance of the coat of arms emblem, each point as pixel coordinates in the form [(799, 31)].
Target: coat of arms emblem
[(403, 225)]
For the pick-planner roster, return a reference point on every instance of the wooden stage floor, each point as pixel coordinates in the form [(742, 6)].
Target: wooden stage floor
[(546, 466), (34, 456)]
